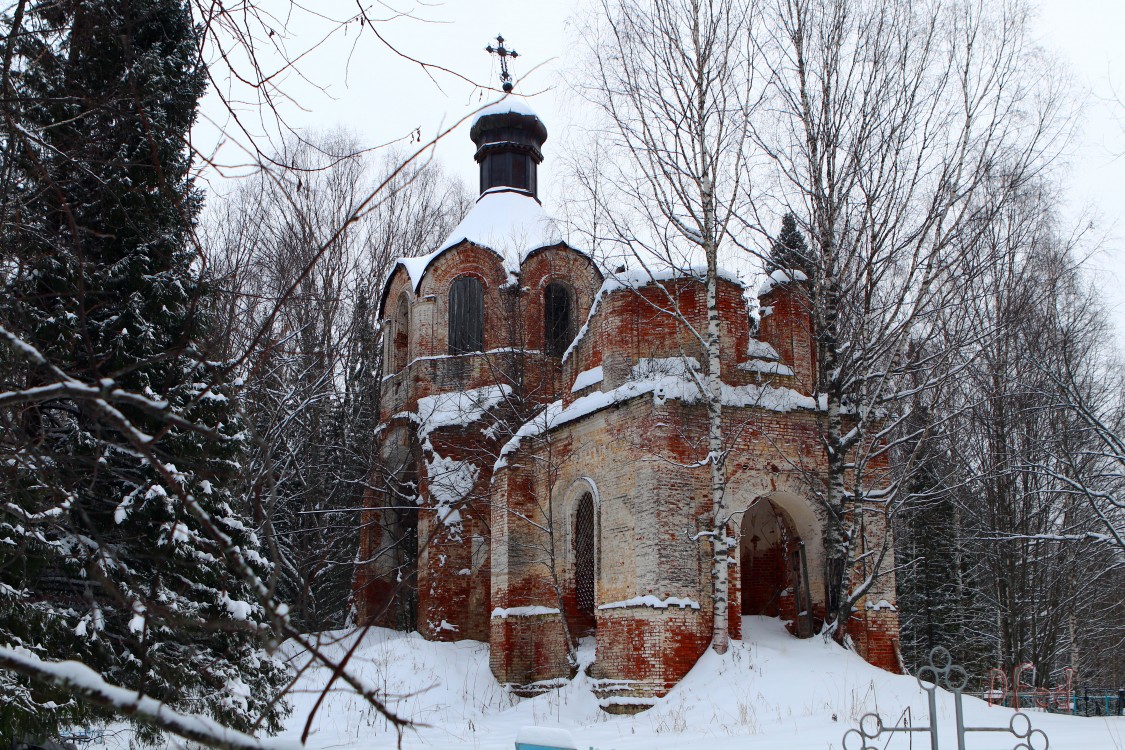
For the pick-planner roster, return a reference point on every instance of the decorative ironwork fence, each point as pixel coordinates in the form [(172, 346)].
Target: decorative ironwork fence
[(942, 672), (1099, 702)]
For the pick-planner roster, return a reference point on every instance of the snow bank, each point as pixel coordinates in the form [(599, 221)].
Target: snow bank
[(769, 691), (546, 737)]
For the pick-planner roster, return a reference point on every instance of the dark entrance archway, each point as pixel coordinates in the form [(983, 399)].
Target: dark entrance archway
[(775, 577)]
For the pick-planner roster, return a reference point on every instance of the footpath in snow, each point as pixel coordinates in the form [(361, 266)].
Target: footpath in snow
[(769, 692)]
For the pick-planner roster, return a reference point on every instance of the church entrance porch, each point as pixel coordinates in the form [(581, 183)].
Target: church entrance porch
[(774, 568)]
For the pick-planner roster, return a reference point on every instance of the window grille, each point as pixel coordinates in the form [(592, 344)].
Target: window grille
[(585, 555)]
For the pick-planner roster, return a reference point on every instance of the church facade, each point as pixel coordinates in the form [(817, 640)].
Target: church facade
[(541, 441)]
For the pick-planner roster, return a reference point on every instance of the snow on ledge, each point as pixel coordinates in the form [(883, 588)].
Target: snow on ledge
[(759, 349), (662, 387), (881, 604), (765, 366), (637, 278), (532, 611), (780, 277), (649, 600), (457, 409), (650, 367), (627, 700), (587, 378)]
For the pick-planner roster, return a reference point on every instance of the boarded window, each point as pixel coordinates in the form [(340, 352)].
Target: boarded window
[(466, 316), (585, 555), (507, 169), (558, 318), (519, 170)]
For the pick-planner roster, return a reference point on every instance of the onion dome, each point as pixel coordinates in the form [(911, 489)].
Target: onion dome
[(509, 137)]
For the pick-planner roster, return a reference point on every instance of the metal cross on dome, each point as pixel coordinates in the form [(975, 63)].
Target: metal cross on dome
[(503, 53)]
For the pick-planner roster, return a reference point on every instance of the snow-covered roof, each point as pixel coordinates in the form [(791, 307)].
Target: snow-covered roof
[(510, 222), (642, 276), (780, 277), (663, 379), (510, 103)]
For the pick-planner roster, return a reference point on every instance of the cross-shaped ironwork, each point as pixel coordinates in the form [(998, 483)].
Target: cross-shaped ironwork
[(941, 671), (503, 53)]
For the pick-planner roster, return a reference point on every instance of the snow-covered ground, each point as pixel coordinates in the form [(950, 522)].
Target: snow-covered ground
[(769, 692)]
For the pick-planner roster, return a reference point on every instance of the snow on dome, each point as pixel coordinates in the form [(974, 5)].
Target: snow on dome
[(508, 221), (416, 267), (510, 103)]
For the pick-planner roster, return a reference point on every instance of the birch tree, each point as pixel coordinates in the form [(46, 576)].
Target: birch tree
[(888, 124), (1014, 566), (672, 78)]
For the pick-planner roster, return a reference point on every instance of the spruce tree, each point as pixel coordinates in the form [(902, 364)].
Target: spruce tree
[(109, 551), (789, 251)]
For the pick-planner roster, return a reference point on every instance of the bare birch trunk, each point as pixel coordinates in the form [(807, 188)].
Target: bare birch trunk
[(720, 561)]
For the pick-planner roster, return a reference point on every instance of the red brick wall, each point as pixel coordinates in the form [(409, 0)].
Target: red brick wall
[(651, 648), (643, 458), (788, 327), (526, 650)]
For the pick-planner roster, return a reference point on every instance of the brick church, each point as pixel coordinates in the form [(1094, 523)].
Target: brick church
[(540, 445)]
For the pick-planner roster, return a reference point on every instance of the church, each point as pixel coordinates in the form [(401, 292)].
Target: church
[(540, 445)]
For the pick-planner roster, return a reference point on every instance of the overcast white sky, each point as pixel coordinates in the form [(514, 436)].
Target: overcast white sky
[(381, 97)]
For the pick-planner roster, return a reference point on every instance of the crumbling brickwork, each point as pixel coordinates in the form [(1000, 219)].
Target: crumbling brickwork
[(487, 457)]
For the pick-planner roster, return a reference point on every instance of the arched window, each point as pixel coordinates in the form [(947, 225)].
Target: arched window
[(400, 334), (558, 318), (466, 316), (585, 555)]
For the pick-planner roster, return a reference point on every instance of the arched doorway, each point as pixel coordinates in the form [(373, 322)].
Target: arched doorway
[(774, 567), (585, 564)]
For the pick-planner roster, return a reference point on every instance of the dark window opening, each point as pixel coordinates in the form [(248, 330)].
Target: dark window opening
[(558, 318), (585, 554), (466, 316), (400, 333)]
